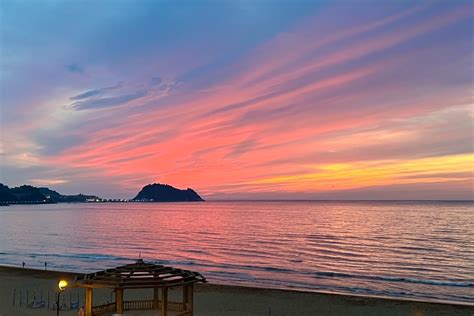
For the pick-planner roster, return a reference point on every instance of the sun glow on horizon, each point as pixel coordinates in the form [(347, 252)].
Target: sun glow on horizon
[(373, 173)]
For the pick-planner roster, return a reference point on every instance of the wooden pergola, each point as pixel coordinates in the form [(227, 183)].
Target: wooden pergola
[(140, 275)]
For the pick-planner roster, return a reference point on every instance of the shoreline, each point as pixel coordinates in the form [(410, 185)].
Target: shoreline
[(37, 272), (131, 201), (226, 299)]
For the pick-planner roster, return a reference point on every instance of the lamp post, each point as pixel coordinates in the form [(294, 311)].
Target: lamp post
[(61, 287)]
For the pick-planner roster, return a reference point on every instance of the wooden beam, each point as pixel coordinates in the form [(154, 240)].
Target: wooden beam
[(156, 303), (119, 300), (164, 301), (191, 299), (93, 286), (185, 296), (142, 282), (88, 301)]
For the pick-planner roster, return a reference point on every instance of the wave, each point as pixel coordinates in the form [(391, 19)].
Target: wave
[(236, 268), (231, 268), (456, 283)]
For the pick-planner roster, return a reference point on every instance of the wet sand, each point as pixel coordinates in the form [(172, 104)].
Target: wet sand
[(215, 300)]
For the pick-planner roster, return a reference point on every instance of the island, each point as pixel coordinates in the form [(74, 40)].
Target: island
[(157, 192), (27, 194)]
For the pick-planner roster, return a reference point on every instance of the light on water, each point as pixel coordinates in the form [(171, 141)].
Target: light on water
[(419, 250)]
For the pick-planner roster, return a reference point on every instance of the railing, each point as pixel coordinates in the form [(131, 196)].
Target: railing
[(140, 304), (103, 309), (137, 305), (175, 306)]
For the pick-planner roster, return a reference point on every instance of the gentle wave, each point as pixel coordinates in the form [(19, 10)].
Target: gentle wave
[(414, 250), (395, 279)]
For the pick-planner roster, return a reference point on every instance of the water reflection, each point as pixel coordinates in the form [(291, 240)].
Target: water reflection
[(422, 250)]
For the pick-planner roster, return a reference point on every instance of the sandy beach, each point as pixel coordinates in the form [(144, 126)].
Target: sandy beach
[(213, 299)]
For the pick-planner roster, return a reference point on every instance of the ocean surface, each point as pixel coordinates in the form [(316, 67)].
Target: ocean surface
[(420, 250)]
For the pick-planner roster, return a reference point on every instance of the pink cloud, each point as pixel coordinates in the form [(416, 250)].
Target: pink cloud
[(283, 109)]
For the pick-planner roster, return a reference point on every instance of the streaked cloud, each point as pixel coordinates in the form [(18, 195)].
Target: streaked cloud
[(107, 102), (368, 174), (86, 95), (378, 102), (123, 94), (47, 181)]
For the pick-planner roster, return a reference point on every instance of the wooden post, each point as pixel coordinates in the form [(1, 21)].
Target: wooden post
[(88, 301), (191, 299), (156, 299), (119, 300), (185, 297), (14, 294), (164, 301)]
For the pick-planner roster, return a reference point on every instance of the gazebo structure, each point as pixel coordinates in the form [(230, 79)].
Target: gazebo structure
[(141, 275)]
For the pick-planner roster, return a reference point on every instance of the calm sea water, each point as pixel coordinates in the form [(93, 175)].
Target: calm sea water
[(422, 250)]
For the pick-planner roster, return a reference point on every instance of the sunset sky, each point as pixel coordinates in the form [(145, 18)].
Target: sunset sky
[(239, 99)]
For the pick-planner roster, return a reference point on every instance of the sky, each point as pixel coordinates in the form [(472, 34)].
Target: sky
[(283, 99)]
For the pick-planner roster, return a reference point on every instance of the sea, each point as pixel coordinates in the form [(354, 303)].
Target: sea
[(409, 249)]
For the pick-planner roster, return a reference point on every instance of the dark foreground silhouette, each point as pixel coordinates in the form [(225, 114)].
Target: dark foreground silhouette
[(166, 193), (27, 194)]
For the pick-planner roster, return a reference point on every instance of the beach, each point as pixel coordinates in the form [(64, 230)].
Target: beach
[(222, 157), (216, 299)]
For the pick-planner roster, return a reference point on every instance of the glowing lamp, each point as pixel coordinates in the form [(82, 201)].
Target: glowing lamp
[(62, 285)]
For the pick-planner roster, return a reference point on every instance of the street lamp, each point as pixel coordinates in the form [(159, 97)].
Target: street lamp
[(61, 287)]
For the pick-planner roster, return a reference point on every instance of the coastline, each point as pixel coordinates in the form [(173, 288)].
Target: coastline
[(221, 299)]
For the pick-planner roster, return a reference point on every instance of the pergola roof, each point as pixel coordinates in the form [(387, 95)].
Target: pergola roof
[(139, 275)]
